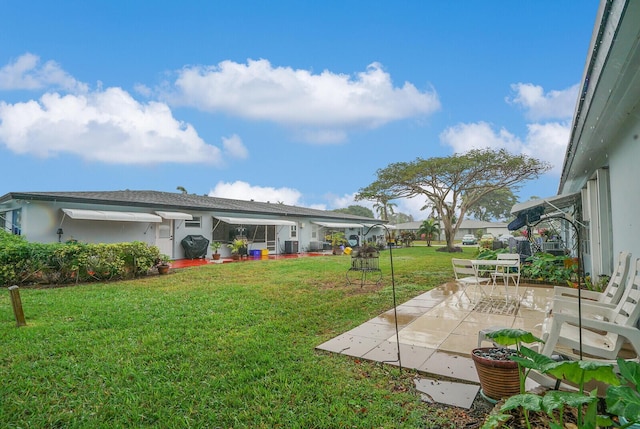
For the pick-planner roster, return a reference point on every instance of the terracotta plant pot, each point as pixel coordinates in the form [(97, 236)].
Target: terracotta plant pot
[(215, 256), (498, 375), (163, 269)]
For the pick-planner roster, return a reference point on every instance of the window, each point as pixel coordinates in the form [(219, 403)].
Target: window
[(294, 231), (196, 222), (17, 222)]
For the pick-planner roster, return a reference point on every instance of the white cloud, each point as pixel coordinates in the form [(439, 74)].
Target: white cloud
[(234, 147), (546, 142), (480, 135), (107, 126), (240, 190), (541, 106), (413, 206), (319, 106), (27, 72)]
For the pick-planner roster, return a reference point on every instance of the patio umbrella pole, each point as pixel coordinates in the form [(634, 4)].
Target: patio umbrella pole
[(393, 289)]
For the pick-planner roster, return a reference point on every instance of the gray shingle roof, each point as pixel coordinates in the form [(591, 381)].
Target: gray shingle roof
[(178, 201)]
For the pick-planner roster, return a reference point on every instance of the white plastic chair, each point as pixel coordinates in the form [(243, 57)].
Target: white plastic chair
[(507, 273), (466, 275), (604, 329), (565, 298)]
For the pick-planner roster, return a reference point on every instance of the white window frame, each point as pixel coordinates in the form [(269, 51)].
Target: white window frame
[(196, 222)]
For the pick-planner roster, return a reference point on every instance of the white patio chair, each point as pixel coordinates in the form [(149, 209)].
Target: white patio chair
[(507, 273), (565, 298), (466, 274), (604, 329)]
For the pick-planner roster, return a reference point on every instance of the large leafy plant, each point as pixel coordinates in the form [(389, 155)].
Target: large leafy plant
[(622, 396)]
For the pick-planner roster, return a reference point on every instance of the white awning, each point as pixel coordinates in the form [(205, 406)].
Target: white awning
[(111, 215), (533, 210), (175, 215), (557, 202), (254, 221), (340, 225)]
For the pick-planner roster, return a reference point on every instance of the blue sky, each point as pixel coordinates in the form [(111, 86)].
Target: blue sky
[(298, 102)]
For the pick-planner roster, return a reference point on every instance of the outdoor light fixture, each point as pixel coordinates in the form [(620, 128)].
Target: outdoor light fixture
[(59, 232)]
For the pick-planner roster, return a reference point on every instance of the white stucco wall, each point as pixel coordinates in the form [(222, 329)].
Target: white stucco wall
[(624, 169)]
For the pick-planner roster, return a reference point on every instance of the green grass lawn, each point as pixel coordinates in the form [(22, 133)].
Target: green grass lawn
[(226, 345)]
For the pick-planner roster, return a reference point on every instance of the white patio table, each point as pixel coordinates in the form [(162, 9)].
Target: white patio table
[(490, 265)]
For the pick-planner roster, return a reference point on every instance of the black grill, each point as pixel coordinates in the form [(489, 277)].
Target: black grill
[(195, 246)]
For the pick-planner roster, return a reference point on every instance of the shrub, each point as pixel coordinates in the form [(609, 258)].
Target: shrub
[(23, 263), (547, 267)]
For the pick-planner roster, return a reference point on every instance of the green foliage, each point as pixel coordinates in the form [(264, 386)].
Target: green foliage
[(215, 246), (547, 267), (453, 184), (336, 238), (622, 396), (430, 228), (514, 336), (624, 400), (496, 205), (356, 210), (237, 245), (23, 263)]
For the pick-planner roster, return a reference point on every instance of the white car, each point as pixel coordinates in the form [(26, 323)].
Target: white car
[(505, 238), (469, 239)]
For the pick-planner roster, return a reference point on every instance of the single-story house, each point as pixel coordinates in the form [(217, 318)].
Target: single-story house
[(468, 226), (164, 219), (597, 189)]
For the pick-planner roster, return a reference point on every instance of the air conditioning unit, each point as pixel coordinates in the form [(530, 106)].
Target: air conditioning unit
[(290, 247)]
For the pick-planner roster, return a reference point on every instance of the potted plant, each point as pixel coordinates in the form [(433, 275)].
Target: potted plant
[(237, 246), (162, 264), (500, 376), (338, 241), (368, 251), (215, 246), (572, 408)]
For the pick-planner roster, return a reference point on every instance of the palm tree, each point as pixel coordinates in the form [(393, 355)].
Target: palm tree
[(429, 228), (384, 208)]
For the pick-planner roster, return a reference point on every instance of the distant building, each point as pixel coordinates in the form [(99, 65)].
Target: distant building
[(164, 219), (468, 226)]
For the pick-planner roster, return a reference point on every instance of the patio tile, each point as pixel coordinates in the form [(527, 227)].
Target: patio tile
[(433, 295), (429, 339), (460, 344), (412, 309), (491, 319), (389, 318), (428, 323), (373, 330), (350, 345), (446, 312), (468, 328), (447, 392), (410, 356), (451, 365)]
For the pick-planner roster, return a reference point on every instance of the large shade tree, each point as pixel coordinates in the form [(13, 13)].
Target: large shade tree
[(356, 211), (495, 205), (454, 183)]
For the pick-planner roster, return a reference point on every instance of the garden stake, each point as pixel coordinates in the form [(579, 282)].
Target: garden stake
[(14, 291)]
